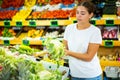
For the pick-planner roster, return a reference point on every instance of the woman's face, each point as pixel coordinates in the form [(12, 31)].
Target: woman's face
[(82, 14)]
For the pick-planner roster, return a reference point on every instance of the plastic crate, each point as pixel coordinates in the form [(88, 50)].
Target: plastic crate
[(112, 72), (51, 66)]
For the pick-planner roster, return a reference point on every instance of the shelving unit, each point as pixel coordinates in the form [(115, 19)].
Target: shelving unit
[(57, 22), (34, 23), (106, 21), (106, 43), (109, 63)]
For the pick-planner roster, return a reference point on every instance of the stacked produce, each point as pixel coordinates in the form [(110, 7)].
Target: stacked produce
[(110, 33), (35, 15), (35, 33), (54, 34), (22, 15), (52, 2), (22, 68), (53, 9), (7, 14), (42, 2), (24, 49), (52, 14), (49, 9), (56, 14), (29, 3), (67, 2), (12, 3), (8, 32)]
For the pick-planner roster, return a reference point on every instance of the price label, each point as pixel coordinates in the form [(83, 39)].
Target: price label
[(93, 22), (7, 23), (54, 23), (109, 22), (6, 42), (75, 21), (43, 40), (108, 43), (26, 42), (19, 24), (32, 23)]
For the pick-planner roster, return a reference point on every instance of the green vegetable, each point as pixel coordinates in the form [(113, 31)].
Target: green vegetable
[(23, 49), (55, 49)]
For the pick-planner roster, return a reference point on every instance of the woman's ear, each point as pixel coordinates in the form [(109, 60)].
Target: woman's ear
[(91, 15)]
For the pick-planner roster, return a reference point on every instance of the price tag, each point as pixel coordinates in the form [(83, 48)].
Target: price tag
[(54, 23), (43, 40), (75, 21), (6, 42), (19, 24), (7, 23), (93, 22), (32, 23), (109, 22), (26, 42), (108, 43)]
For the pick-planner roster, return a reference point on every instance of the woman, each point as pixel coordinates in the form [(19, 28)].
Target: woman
[(82, 41)]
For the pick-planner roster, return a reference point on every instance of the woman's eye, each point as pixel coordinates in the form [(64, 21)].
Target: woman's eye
[(82, 13)]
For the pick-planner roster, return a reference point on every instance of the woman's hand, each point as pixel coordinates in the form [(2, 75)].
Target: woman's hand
[(67, 52)]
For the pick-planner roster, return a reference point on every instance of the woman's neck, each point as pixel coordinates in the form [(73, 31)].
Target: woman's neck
[(83, 26)]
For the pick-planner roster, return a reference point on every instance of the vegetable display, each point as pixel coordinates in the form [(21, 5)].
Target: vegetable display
[(21, 68)]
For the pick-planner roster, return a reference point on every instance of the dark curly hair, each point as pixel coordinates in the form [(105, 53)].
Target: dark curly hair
[(88, 5)]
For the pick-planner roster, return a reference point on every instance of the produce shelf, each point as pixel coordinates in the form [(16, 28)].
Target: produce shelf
[(117, 21), (109, 63), (18, 41), (35, 42), (39, 42), (1, 23), (100, 22), (110, 43), (61, 22)]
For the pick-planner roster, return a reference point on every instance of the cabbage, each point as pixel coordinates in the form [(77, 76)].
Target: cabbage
[(55, 48)]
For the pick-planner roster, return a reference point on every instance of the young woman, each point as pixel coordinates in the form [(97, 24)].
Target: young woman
[(82, 41)]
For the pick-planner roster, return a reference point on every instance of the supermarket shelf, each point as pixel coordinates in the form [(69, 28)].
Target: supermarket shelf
[(18, 41), (110, 43), (36, 42), (9, 23), (106, 43), (56, 22), (109, 63)]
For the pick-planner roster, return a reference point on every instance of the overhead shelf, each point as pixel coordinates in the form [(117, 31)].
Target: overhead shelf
[(56, 22)]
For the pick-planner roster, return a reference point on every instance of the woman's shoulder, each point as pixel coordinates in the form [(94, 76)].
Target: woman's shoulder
[(95, 28), (71, 25)]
